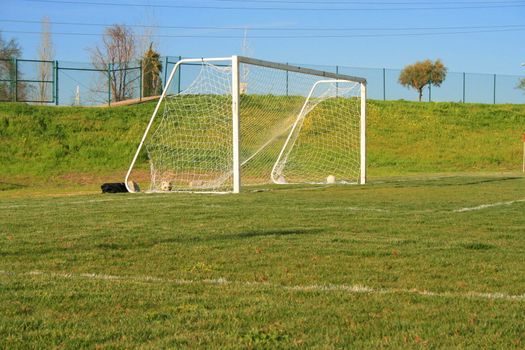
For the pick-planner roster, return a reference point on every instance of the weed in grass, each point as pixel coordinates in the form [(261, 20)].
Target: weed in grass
[(477, 246)]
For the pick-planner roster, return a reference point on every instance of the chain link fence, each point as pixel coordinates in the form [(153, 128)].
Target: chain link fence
[(83, 84)]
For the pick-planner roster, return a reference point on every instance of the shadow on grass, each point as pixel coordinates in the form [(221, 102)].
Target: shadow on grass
[(132, 245), (477, 246), (454, 181), (243, 235), (274, 232), (6, 186), (500, 179)]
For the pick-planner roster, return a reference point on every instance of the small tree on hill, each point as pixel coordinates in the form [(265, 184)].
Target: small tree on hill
[(423, 73), (151, 69)]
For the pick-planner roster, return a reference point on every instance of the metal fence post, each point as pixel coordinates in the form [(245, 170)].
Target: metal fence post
[(53, 86), (55, 82), (15, 95), (11, 80), (141, 85), (494, 88), (109, 84), (166, 71), (464, 87)]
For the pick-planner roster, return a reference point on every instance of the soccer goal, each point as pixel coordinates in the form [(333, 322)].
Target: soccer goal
[(238, 121)]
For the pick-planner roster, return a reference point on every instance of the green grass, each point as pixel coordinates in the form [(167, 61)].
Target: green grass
[(388, 265), (42, 142)]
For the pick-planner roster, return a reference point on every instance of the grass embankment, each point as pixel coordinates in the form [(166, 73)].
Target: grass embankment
[(78, 144)]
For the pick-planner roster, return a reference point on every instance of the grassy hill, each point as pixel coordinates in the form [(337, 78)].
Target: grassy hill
[(39, 142)]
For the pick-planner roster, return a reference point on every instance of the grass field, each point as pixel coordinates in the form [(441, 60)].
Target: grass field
[(429, 254), (412, 263)]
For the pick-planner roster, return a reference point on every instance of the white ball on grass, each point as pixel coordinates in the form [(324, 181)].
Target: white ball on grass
[(165, 186), (330, 179)]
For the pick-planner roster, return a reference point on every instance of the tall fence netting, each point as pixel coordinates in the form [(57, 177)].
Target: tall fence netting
[(74, 83)]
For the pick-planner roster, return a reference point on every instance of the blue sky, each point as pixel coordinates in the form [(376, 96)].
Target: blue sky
[(499, 48)]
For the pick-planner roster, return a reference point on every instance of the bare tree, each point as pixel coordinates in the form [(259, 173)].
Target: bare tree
[(45, 54), (115, 56)]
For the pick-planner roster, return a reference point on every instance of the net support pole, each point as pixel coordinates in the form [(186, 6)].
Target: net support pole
[(235, 125), (362, 128)]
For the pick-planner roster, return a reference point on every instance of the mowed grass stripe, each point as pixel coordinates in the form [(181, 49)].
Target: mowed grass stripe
[(253, 284)]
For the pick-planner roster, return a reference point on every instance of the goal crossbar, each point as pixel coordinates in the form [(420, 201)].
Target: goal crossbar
[(298, 69)]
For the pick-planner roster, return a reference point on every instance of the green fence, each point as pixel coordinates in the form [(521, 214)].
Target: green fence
[(74, 83), (69, 83), (36, 84)]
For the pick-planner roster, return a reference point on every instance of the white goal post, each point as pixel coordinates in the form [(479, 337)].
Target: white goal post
[(244, 120)]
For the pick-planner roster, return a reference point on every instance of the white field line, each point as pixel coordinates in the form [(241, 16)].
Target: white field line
[(99, 200), (460, 210), (13, 206), (189, 204), (346, 288), (488, 205)]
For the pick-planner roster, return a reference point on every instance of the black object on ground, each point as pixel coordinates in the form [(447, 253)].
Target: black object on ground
[(115, 187)]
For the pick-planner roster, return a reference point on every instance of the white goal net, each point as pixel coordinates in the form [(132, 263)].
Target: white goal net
[(240, 120)]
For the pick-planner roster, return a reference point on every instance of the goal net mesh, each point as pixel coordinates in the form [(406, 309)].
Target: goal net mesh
[(284, 135)]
